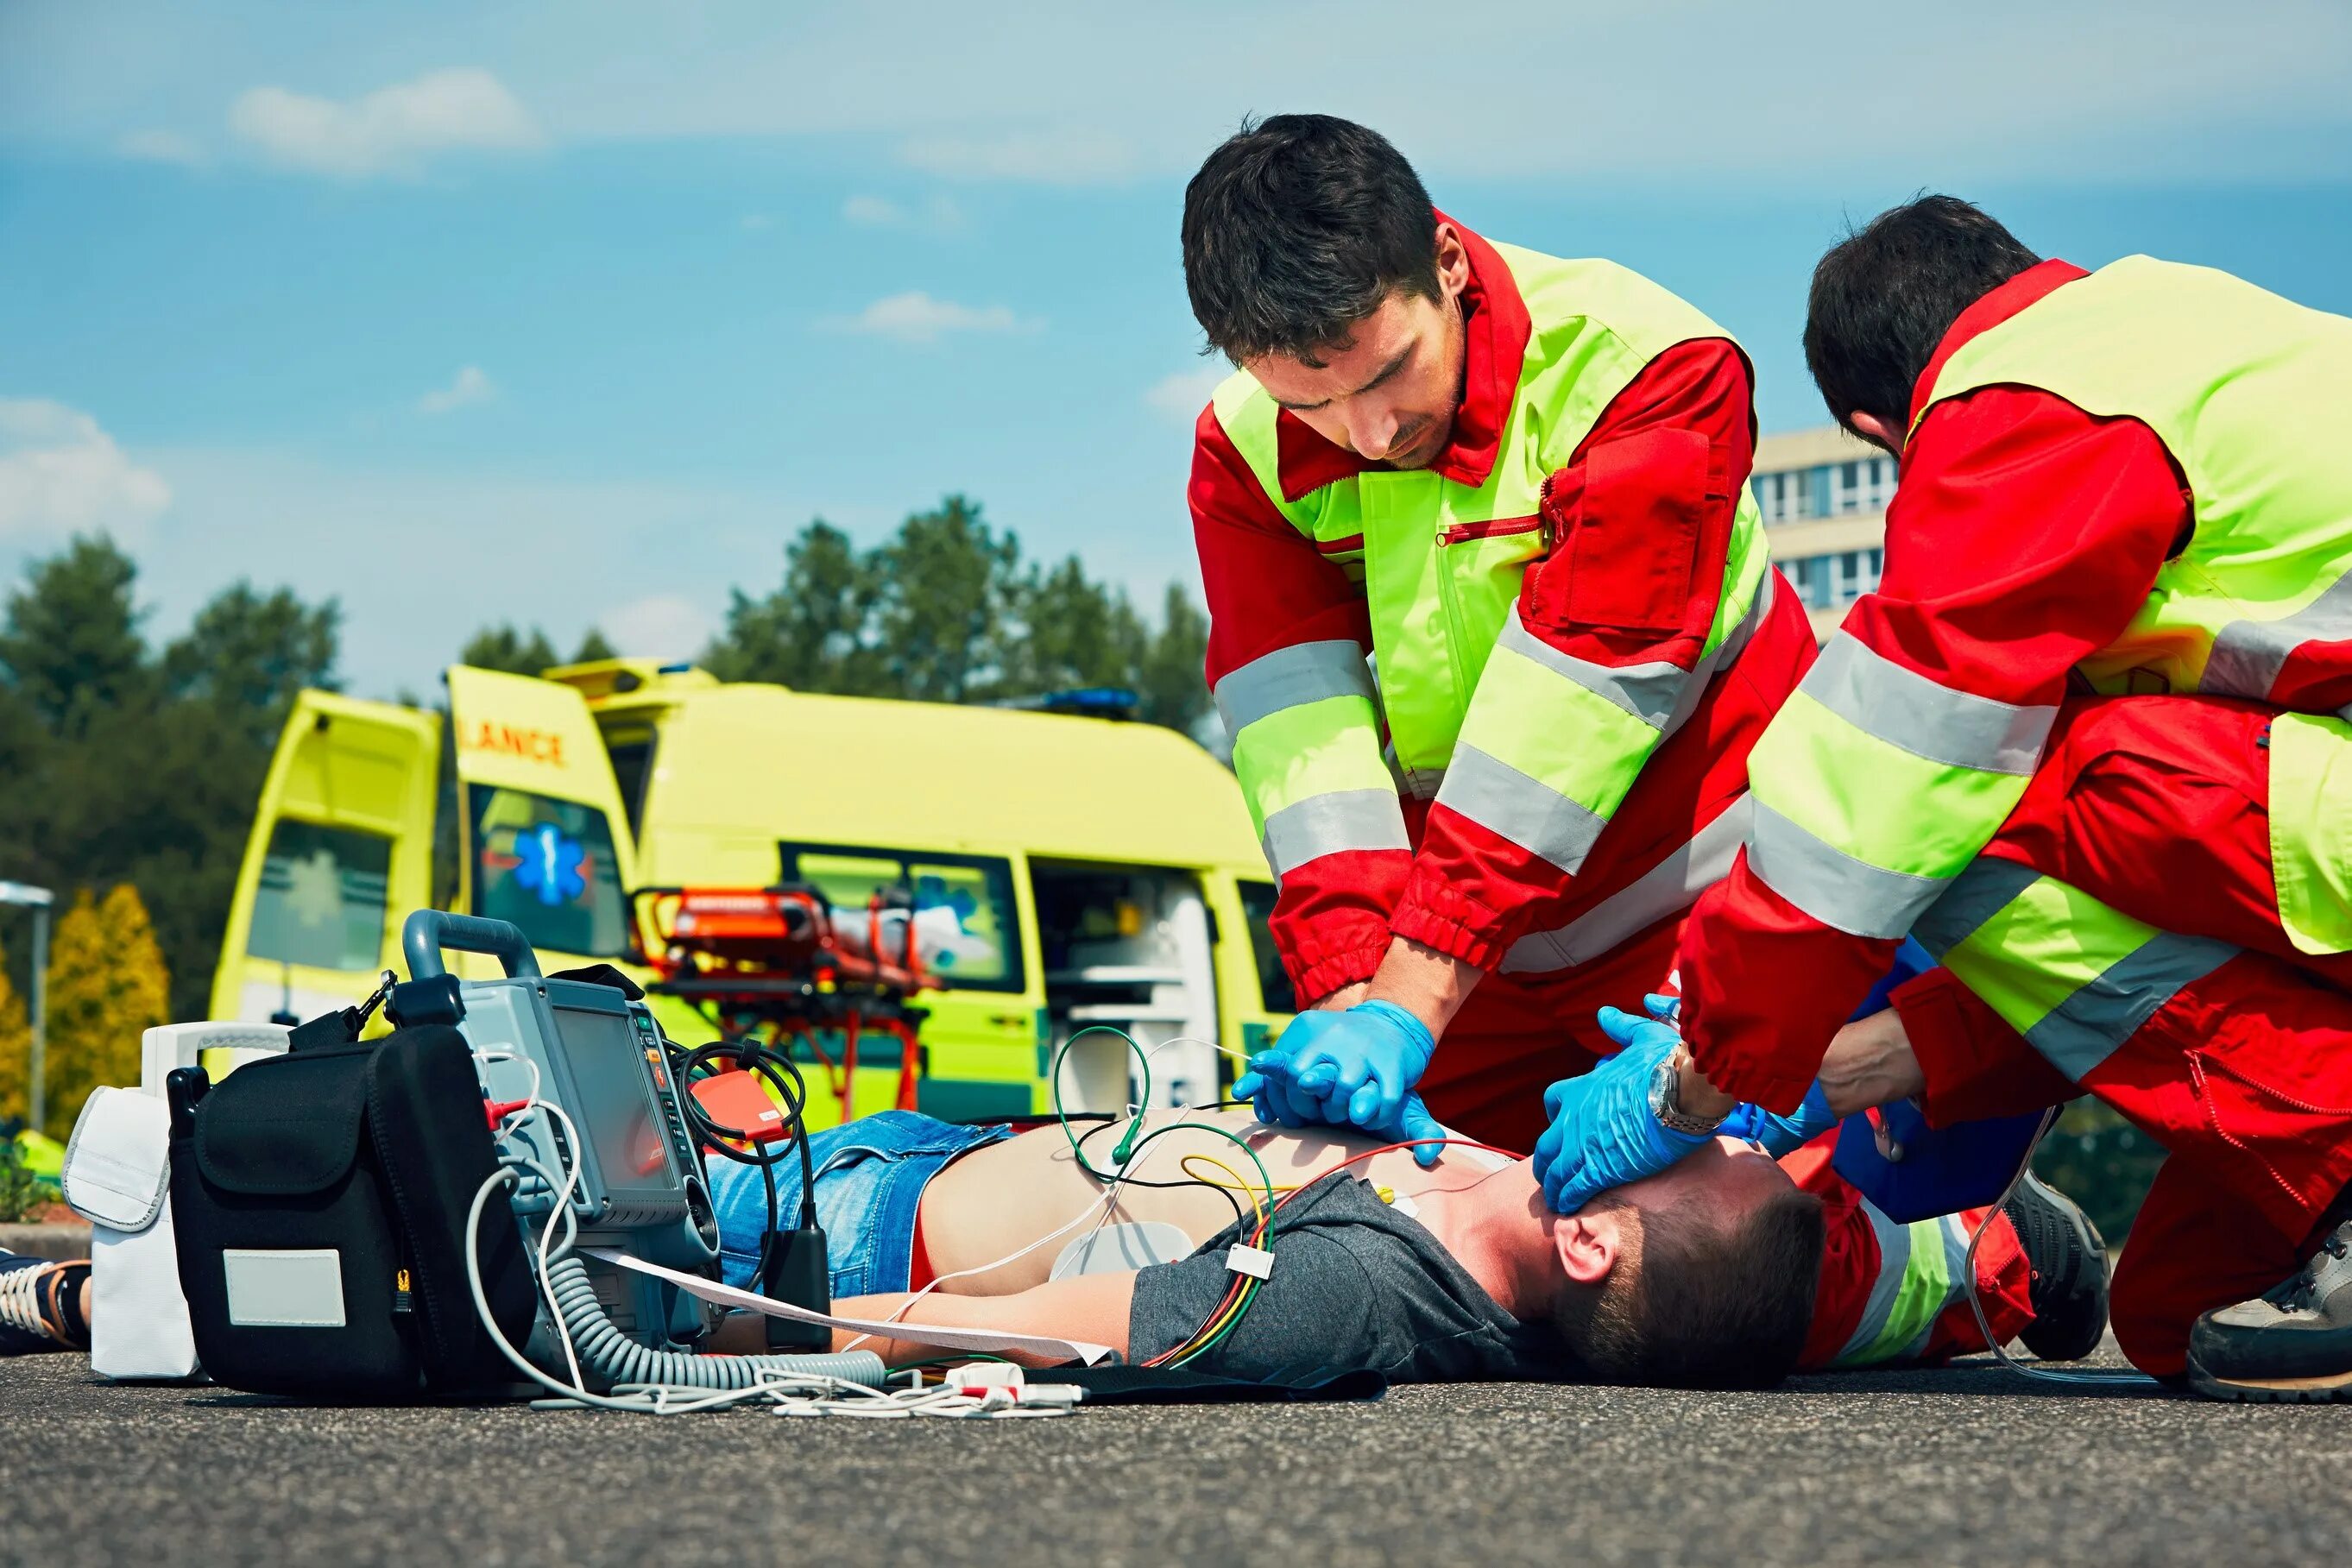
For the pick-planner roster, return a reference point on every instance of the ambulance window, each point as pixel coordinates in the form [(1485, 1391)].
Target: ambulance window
[(967, 934), (548, 867), (1273, 980), (322, 897), (631, 746)]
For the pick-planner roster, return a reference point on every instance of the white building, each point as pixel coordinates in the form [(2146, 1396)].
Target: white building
[(1824, 495)]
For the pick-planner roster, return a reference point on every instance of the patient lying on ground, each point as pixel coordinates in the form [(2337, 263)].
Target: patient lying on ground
[(1700, 1277)]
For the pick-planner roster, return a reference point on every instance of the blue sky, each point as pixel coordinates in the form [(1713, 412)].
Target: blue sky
[(571, 313)]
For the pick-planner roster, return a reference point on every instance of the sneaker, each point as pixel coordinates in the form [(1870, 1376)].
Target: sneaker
[(40, 1305), (2291, 1344), (2068, 1291)]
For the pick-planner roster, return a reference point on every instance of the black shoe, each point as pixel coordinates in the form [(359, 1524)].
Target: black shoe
[(2068, 1259), (40, 1305), (2291, 1344)]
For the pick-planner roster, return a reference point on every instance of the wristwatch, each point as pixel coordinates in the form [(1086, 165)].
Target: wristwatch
[(1666, 1101)]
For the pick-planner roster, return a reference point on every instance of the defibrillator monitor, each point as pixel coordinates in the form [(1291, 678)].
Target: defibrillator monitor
[(598, 1057)]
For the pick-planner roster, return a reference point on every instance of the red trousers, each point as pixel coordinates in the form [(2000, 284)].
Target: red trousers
[(2159, 807), (1519, 1034)]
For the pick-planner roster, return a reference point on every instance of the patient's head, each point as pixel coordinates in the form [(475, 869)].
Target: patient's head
[(1700, 1277)]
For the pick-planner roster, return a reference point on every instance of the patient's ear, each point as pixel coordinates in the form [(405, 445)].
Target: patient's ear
[(1589, 1242)]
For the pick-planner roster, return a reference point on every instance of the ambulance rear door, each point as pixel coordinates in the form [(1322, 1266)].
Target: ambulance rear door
[(542, 838), (340, 850)]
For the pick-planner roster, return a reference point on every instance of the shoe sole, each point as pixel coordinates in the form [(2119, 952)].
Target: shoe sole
[(2094, 1246), (2335, 1389)]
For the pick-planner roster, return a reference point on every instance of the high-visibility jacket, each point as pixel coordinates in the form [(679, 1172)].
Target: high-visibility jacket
[(1534, 636), (1879, 783)]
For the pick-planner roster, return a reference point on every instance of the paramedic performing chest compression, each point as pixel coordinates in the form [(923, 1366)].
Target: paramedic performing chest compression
[(1516, 485), (2128, 481)]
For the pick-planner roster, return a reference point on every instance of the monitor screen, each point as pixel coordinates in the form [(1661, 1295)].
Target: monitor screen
[(616, 1111)]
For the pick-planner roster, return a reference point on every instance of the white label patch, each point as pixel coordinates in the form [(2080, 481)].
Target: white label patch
[(301, 1289), (1256, 1262)]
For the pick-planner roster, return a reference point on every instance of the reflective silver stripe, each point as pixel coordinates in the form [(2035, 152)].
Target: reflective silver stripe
[(1647, 691), (2248, 655), (1725, 652), (1893, 1262), (1660, 694), (1905, 708), (1980, 891), (2085, 1029), (1831, 885), (1328, 824), (1667, 888), (1303, 673), (1532, 814)]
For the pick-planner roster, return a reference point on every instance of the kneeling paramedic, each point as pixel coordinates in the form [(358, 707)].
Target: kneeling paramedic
[(2072, 964)]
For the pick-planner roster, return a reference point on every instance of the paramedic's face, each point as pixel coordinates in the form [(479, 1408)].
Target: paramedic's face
[(1388, 389)]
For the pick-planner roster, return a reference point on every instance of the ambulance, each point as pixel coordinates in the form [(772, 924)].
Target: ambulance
[(1062, 870)]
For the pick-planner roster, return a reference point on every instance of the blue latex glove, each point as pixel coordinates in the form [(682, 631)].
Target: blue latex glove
[(1602, 1133), (1352, 1068), (1276, 1099), (1782, 1134)]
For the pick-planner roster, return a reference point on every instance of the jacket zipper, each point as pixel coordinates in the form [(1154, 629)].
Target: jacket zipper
[(1495, 529)]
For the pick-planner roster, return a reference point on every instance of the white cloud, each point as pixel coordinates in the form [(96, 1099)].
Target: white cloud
[(1181, 394), (938, 213), (917, 317), (60, 474), (661, 626), (392, 131), (162, 147), (469, 386)]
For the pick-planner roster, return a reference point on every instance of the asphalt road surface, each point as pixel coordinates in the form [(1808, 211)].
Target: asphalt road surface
[(1963, 1465)]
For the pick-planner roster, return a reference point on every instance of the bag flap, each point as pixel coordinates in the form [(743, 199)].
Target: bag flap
[(119, 1161), (288, 1125)]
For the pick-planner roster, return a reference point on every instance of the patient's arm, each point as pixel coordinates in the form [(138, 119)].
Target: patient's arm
[(1090, 1307)]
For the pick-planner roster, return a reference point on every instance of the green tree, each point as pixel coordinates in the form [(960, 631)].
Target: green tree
[(948, 578), (501, 647), (247, 653), (1074, 632), (593, 646), (1170, 676), (107, 987), (153, 781), (70, 639), (816, 632)]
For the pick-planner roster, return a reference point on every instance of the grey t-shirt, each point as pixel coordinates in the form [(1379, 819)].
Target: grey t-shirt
[(1356, 1286)]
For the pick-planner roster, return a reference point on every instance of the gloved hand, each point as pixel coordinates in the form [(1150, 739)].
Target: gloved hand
[(1603, 1134), (1779, 1135), (1782, 1134), (1348, 1068), (1280, 1102)]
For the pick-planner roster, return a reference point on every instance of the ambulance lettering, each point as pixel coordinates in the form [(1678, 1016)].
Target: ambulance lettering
[(530, 745)]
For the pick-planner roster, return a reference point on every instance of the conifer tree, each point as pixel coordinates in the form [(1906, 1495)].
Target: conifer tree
[(15, 1050), (108, 985)]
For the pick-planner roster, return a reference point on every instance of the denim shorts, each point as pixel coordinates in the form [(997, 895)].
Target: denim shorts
[(870, 1175)]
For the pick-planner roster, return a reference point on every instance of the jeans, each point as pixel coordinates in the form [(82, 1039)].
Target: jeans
[(870, 1175)]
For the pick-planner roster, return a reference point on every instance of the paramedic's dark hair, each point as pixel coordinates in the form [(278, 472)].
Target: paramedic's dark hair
[(1296, 228), (1715, 1306), (1883, 297)]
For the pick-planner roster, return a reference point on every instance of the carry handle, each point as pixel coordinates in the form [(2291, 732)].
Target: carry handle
[(426, 934)]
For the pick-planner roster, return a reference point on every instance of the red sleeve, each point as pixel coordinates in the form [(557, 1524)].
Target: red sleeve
[(1268, 587), (1974, 1065), (2025, 535), (1643, 515)]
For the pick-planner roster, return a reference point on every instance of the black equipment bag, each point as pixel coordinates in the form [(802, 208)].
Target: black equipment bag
[(319, 1202)]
